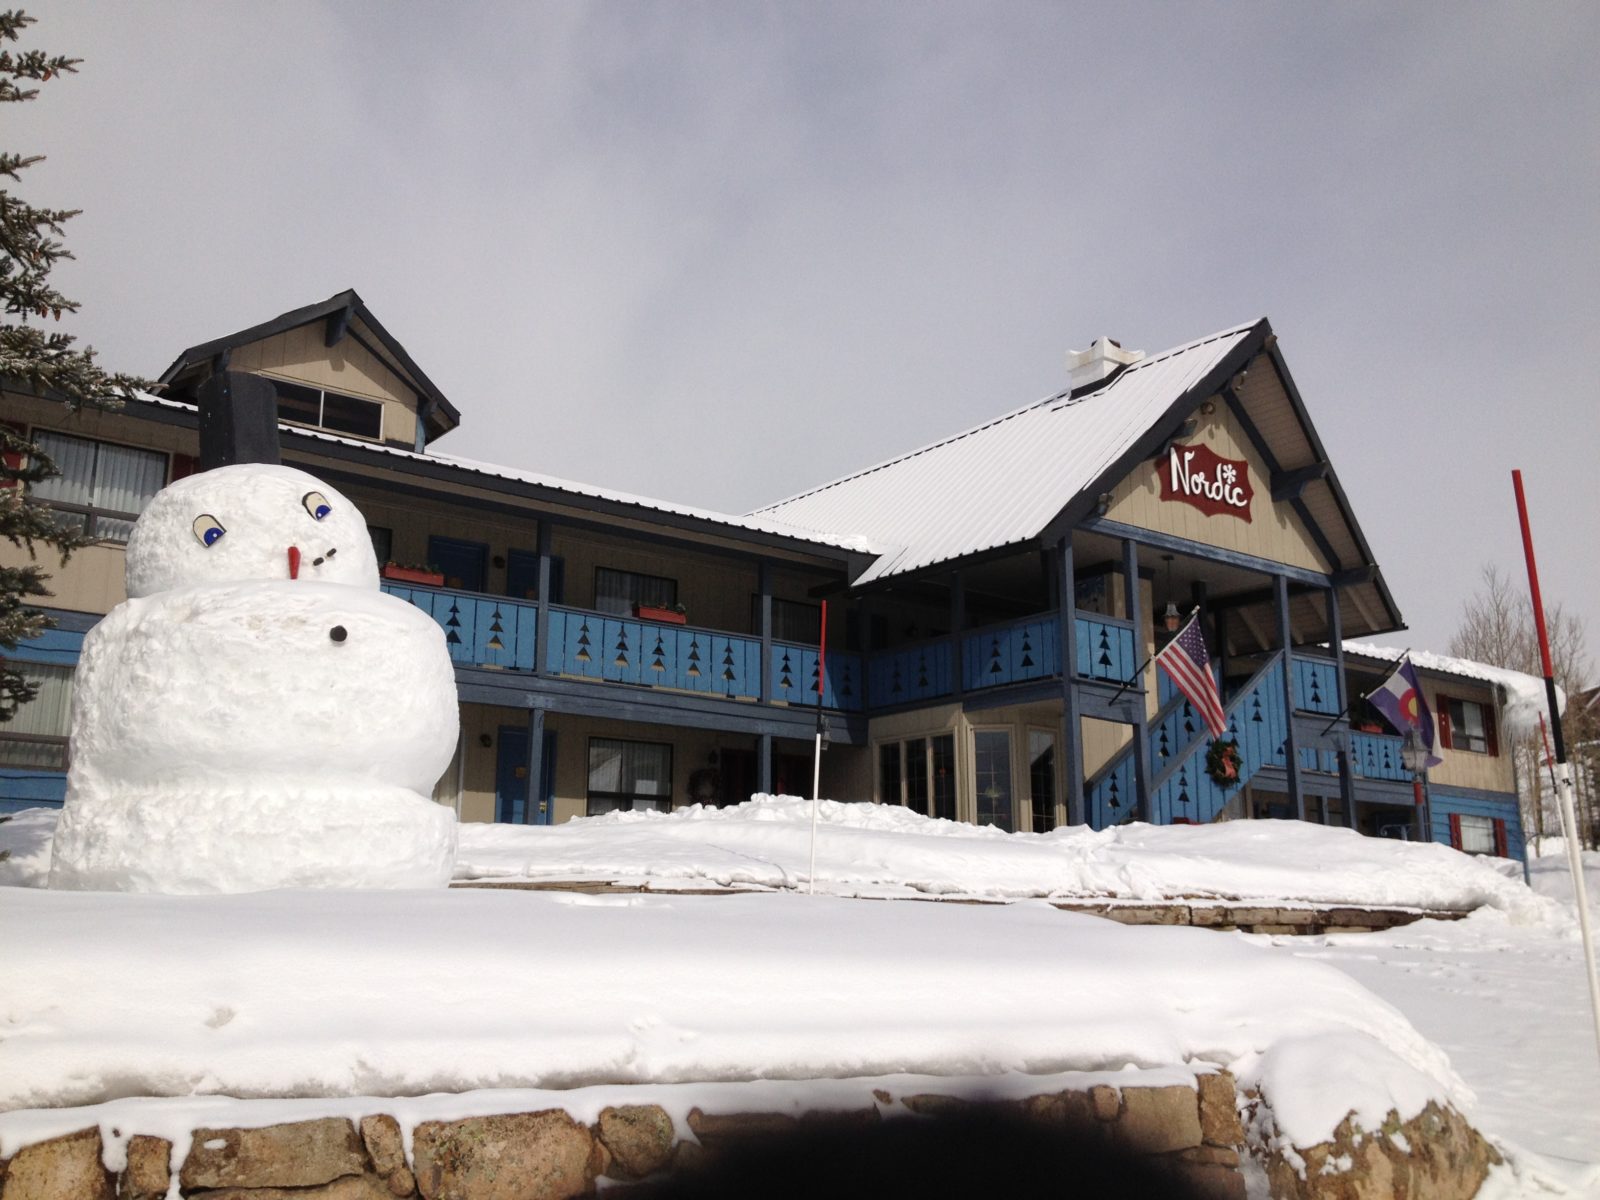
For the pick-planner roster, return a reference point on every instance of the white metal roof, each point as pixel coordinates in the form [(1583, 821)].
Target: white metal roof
[(1004, 481)]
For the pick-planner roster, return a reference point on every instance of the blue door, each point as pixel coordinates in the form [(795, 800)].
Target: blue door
[(511, 778)]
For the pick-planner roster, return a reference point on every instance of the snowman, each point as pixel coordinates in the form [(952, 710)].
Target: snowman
[(257, 714)]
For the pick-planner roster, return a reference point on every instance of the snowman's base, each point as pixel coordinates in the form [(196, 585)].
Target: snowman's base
[(216, 837)]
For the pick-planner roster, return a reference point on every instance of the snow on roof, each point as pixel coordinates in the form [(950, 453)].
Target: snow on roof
[(754, 523), (1524, 694), (1003, 481)]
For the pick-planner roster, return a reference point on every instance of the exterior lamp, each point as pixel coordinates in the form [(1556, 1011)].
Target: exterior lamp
[(1414, 758)]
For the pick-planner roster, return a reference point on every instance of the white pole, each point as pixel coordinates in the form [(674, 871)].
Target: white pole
[(1580, 891), (816, 793)]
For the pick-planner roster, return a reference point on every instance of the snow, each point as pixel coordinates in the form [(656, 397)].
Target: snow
[(1525, 702), (886, 850), (257, 713), (164, 1013)]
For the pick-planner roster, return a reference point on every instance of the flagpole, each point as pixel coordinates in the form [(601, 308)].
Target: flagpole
[(1563, 770), (816, 758)]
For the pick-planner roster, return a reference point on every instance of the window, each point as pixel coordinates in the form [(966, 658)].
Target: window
[(102, 487), (1042, 779), (1477, 833), (920, 773), (37, 736), (1466, 725), (792, 620), (382, 543), (629, 776), (617, 592), (332, 411), (991, 753)]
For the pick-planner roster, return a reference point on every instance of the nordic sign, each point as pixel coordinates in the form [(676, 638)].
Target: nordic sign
[(1198, 476)]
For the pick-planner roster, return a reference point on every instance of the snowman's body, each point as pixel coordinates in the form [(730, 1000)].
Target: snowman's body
[(235, 728)]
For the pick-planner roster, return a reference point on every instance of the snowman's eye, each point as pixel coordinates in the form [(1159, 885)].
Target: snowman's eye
[(208, 529), (316, 504)]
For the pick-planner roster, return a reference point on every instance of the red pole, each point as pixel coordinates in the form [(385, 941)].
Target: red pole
[(1538, 618)]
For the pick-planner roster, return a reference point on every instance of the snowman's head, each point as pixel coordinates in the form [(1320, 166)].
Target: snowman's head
[(250, 521)]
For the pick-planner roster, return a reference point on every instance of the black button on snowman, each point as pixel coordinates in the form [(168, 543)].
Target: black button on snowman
[(258, 713)]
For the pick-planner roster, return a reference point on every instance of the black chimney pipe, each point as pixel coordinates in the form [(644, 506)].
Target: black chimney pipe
[(238, 420)]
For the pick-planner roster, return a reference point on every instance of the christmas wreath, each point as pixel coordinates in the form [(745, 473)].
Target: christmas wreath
[(1223, 762)]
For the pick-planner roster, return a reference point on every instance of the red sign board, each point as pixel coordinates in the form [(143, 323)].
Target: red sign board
[(1198, 476)]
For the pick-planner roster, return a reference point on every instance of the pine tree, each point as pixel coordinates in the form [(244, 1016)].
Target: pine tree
[(34, 361)]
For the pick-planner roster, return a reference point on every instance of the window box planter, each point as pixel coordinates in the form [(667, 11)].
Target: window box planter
[(667, 616), (418, 575)]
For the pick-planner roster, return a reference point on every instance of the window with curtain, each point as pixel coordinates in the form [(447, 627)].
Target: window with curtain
[(629, 776), (102, 487), (1477, 834), (37, 736), (618, 591)]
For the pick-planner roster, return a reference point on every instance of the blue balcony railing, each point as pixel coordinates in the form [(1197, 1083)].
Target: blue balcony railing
[(600, 646), (480, 631), (1316, 686), (1377, 756)]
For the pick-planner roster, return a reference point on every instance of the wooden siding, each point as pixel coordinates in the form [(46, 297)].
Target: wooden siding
[(1442, 803), (1274, 531), (301, 356)]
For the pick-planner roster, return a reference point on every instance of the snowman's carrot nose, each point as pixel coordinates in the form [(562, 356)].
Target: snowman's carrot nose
[(294, 562)]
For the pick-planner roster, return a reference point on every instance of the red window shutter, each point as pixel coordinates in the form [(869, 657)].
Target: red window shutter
[(1489, 732), (1455, 830), (183, 465), (1500, 842), (1441, 709)]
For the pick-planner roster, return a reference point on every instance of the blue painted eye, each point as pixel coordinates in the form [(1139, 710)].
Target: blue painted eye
[(316, 504), (208, 529)]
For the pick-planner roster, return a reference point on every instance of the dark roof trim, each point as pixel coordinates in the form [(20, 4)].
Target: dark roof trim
[(337, 311), (306, 443)]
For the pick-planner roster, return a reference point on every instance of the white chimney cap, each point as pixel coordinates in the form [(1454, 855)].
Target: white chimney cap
[(1101, 360)]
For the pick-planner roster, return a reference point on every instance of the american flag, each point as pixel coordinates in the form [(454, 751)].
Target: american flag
[(1188, 661)]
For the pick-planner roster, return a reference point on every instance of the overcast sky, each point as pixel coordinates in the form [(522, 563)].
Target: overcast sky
[(717, 253)]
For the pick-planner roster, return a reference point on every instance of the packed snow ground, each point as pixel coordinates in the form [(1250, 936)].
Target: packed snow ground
[(336, 996)]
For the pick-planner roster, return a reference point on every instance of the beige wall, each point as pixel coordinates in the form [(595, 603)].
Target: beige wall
[(1467, 768), (1274, 531), (301, 357), (692, 749)]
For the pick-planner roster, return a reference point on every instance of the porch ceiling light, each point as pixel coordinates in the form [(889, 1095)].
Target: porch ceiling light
[(1170, 618)]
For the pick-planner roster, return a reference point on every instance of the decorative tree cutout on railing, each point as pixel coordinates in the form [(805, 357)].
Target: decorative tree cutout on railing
[(994, 657), (922, 669), (1104, 661), (583, 642), (1027, 650), (728, 673), (622, 647), (694, 657), (495, 630), (786, 671), (1164, 745), (896, 689), (453, 624), (845, 688), (658, 655), (1113, 799)]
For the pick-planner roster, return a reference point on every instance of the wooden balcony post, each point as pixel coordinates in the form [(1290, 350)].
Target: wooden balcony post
[(1347, 783), (764, 584), (958, 621), (1291, 751), (541, 622), (1071, 727), (530, 807), (1141, 733), (764, 762)]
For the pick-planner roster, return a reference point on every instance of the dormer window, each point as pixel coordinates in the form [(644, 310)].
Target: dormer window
[(333, 411)]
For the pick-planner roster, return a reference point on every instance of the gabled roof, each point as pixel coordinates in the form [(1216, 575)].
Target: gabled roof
[(340, 310), (1006, 481)]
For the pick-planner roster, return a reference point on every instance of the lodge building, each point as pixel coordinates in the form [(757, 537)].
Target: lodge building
[(993, 601)]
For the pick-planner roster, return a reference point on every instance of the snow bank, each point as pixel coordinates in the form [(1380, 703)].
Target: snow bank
[(888, 851), (885, 850), (347, 993), (1525, 694)]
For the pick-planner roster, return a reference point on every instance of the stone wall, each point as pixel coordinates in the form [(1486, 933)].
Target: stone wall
[(1192, 1134)]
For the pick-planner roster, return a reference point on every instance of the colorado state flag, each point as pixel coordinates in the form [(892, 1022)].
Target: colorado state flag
[(1400, 699)]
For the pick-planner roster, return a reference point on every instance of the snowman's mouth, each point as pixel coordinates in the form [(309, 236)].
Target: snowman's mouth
[(294, 562)]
